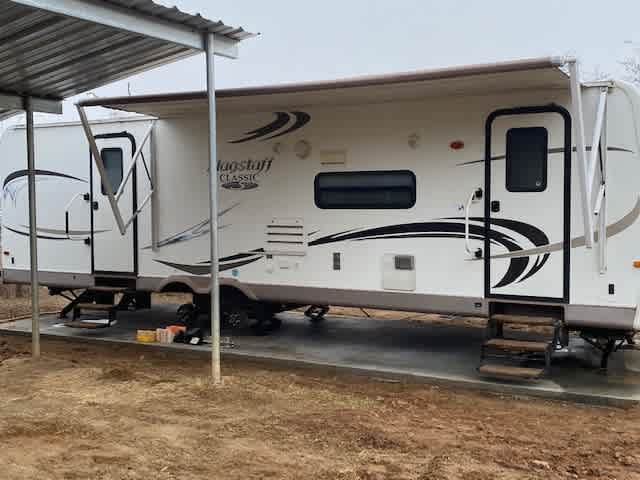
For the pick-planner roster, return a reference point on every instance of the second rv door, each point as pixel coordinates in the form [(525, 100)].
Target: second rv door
[(113, 252), (527, 205)]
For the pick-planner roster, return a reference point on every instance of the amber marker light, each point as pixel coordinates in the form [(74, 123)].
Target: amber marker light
[(636, 264)]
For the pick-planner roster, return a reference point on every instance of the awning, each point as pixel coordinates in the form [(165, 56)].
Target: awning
[(530, 74), (53, 49)]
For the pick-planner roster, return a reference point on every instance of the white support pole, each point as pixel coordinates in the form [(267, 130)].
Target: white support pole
[(213, 211), (33, 233), (578, 118), (597, 135)]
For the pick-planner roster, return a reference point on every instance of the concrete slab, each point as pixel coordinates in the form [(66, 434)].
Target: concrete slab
[(385, 349)]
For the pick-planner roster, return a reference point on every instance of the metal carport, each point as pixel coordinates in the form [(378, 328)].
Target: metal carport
[(53, 49)]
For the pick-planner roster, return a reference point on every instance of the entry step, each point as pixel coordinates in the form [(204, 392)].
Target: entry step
[(525, 320), (88, 325), (631, 346), (510, 372), (516, 345), (95, 306)]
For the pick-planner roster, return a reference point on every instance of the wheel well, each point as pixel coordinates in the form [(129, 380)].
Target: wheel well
[(231, 293), (176, 287)]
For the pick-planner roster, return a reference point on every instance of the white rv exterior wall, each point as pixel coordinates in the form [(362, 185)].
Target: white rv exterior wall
[(372, 136), (375, 137), (61, 149)]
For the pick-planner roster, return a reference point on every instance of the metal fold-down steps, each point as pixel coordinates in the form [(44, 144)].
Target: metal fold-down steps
[(509, 372), (516, 346)]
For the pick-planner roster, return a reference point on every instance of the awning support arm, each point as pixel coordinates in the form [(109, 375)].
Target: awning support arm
[(597, 135), (585, 190), (95, 151), (601, 203), (108, 188), (134, 160)]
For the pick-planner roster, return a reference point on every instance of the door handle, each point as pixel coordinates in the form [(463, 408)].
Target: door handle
[(476, 195)]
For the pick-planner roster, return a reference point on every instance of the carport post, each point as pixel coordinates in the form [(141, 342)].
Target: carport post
[(213, 211), (33, 233)]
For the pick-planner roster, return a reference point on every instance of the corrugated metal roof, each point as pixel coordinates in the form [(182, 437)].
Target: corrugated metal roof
[(175, 15), (48, 55)]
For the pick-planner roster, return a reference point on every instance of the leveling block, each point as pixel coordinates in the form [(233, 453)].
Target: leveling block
[(89, 324), (168, 335)]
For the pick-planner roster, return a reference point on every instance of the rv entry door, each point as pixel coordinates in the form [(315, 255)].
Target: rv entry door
[(527, 180), (113, 253)]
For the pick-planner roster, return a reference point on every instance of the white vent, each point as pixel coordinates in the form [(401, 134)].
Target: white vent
[(286, 236)]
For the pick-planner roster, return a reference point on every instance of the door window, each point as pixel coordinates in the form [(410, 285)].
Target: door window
[(112, 159), (527, 152)]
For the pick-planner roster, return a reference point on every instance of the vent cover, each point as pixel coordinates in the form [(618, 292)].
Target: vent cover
[(286, 236)]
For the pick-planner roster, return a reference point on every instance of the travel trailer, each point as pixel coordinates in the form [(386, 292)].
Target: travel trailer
[(503, 190)]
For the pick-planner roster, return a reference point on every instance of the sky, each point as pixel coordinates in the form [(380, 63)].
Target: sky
[(304, 40)]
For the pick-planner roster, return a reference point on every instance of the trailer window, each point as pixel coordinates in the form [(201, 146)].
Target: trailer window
[(527, 151), (112, 159), (366, 190)]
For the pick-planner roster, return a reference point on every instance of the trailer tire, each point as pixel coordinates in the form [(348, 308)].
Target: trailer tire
[(265, 319)]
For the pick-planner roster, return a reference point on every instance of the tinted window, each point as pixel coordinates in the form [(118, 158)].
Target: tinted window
[(112, 159), (527, 150), (366, 190)]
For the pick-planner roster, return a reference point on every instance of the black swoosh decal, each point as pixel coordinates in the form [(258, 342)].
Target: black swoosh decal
[(24, 173), (441, 229), (302, 118), (551, 150), (26, 234), (205, 269), (536, 267), (240, 256), (416, 228), (282, 118)]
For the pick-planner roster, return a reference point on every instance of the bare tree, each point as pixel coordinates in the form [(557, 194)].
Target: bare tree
[(595, 75), (631, 67)]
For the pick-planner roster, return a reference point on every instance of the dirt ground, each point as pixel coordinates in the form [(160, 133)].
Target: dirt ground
[(125, 412)]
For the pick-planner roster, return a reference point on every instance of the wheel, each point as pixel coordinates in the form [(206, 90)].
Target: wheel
[(564, 337), (275, 323), (265, 320), (235, 316)]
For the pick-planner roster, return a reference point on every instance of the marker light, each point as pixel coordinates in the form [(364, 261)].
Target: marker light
[(457, 145), (636, 264)]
